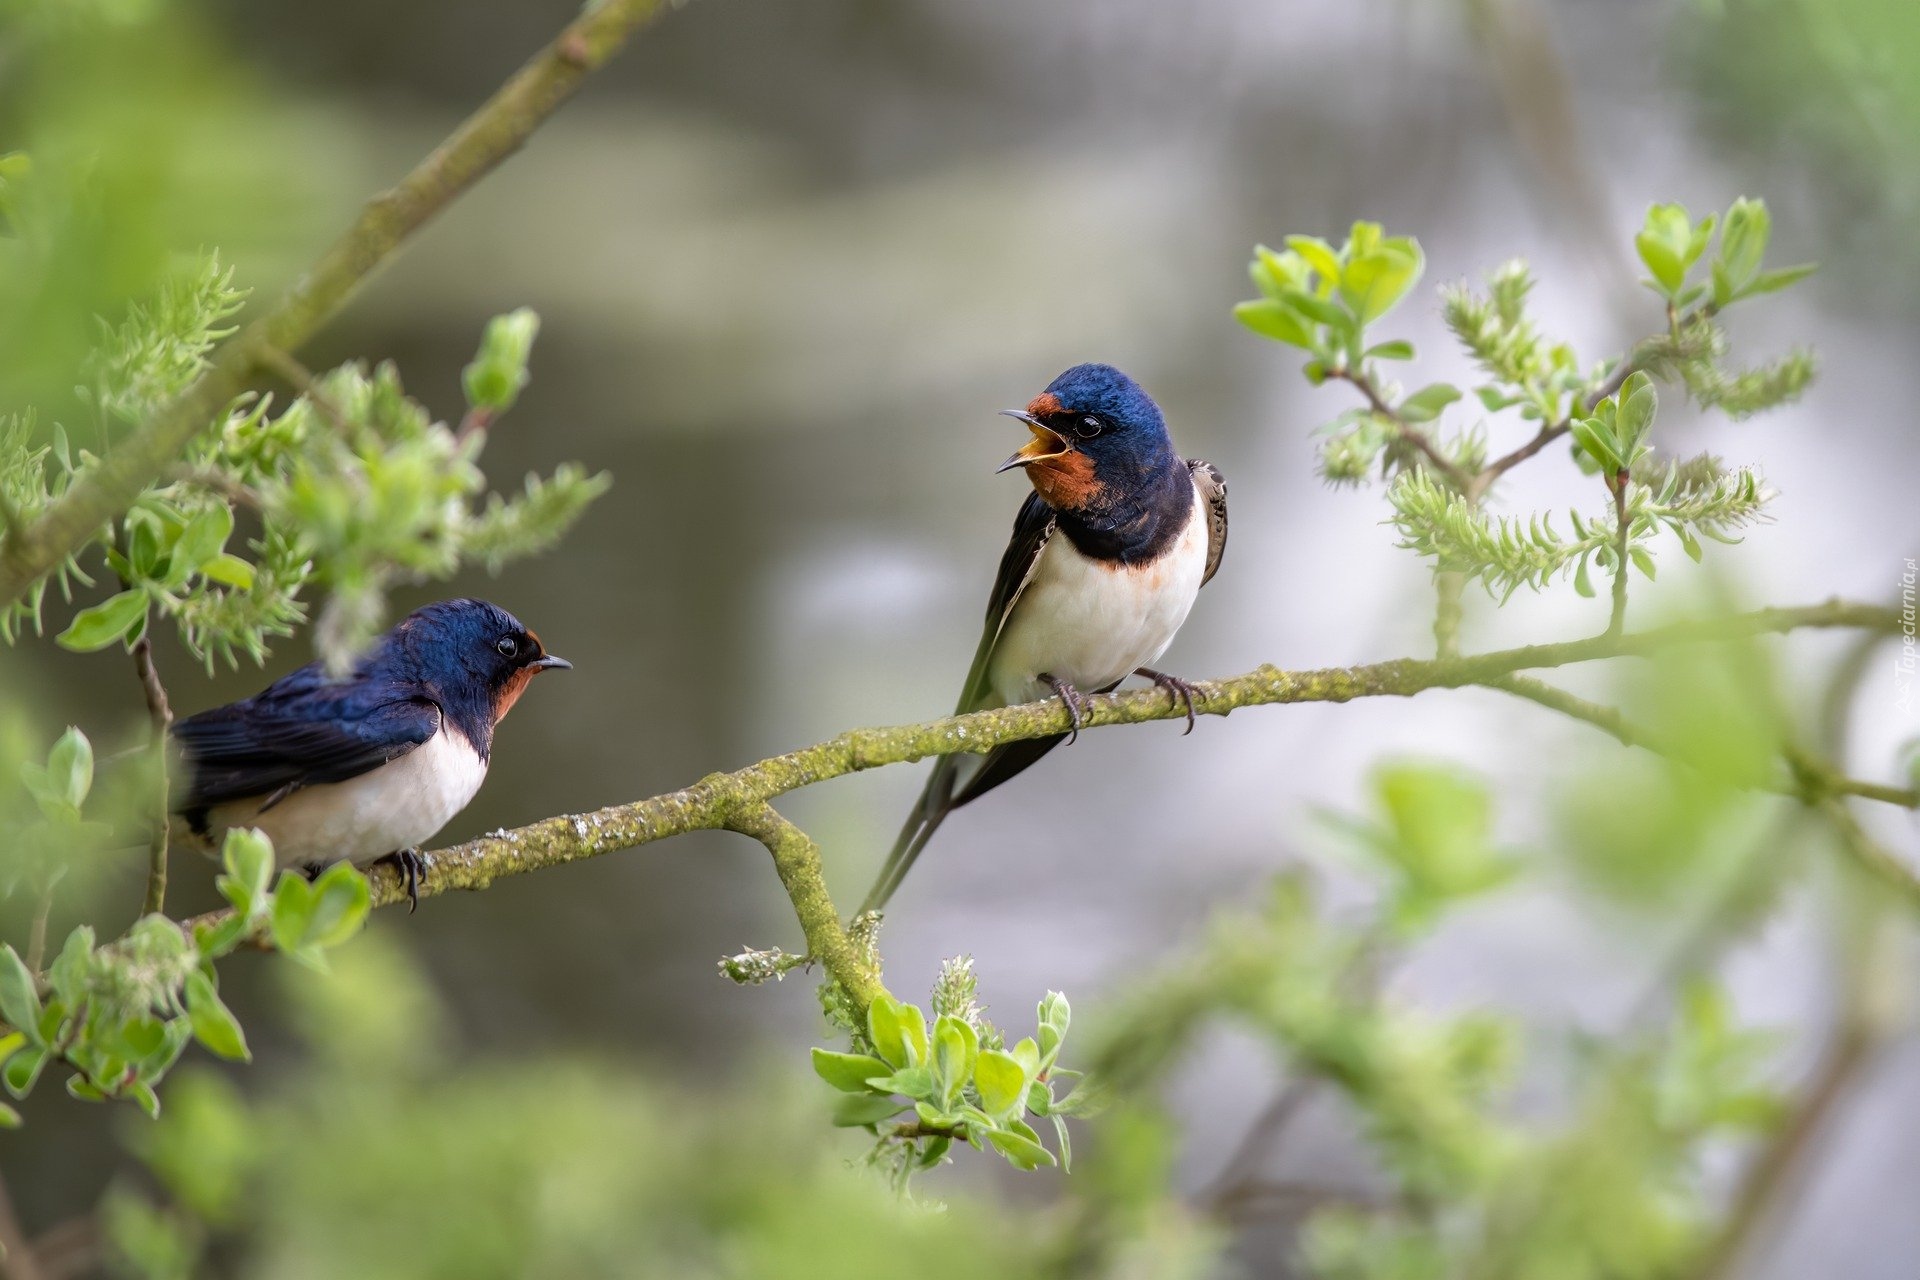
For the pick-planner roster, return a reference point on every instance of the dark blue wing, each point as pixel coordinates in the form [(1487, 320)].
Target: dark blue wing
[(301, 731)]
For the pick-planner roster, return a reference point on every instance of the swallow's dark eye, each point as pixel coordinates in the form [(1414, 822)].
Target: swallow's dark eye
[(1088, 427), (507, 646)]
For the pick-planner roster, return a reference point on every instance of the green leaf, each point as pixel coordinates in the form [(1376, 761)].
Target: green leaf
[(1425, 404), (495, 378), (70, 767), (111, 620), (857, 1110), (914, 1082), (1054, 1016), (1637, 400), (202, 539), (847, 1072), (247, 855), (1066, 1144), (1583, 580), (19, 1004), (1001, 1082), (1021, 1151), (1495, 399), (145, 1098), (9, 1118), (342, 899), (229, 571), (1743, 239), (1688, 543), (1596, 440), (955, 1046), (22, 1069), (1318, 310), (1665, 243), (1772, 281), (292, 910), (897, 1031), (1319, 255), (1642, 560), (1373, 283), (1271, 319), (213, 1023), (1398, 349)]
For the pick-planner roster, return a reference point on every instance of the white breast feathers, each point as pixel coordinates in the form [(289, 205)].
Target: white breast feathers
[(399, 805), (1091, 622)]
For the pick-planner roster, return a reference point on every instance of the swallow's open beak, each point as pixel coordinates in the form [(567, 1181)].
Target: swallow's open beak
[(549, 662), (1046, 442)]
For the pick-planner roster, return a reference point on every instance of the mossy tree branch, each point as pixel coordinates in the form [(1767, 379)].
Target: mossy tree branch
[(738, 801), (492, 133)]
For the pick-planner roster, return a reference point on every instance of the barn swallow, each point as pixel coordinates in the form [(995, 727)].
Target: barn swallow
[(1107, 555), (369, 765)]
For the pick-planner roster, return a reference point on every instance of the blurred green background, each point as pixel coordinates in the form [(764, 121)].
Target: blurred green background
[(790, 259)]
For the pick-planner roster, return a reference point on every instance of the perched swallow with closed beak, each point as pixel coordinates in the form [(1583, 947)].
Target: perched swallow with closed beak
[(368, 765), (1108, 553)]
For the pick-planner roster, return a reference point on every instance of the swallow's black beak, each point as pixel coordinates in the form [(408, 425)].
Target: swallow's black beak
[(549, 662), (1046, 442)]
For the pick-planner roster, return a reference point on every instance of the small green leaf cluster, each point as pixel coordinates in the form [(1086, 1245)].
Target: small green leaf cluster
[(353, 487), (43, 837), (1700, 498), (958, 1078), (1540, 378), (1670, 244), (1438, 482), (1322, 300), (119, 1015)]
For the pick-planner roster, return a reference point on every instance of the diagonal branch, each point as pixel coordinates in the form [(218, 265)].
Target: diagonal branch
[(737, 801), (487, 137)]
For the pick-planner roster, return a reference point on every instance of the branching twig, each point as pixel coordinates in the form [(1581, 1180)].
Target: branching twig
[(37, 931), (160, 716), (1454, 473), (797, 860), (1610, 721), (481, 142)]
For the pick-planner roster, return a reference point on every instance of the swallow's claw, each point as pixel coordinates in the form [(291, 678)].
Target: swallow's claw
[(1177, 689), (1075, 704), (412, 866)]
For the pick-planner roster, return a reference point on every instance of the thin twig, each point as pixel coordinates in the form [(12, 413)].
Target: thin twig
[(492, 133), (1617, 618), (1244, 1163), (37, 931), (1454, 473), (160, 716), (1611, 721)]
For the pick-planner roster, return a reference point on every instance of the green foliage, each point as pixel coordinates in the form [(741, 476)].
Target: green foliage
[(957, 1077), (1438, 483), (1615, 1185), (373, 1158), (118, 1015)]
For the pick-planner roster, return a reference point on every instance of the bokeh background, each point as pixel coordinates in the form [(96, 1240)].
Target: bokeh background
[(791, 258)]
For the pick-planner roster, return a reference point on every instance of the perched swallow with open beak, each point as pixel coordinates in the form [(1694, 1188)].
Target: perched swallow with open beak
[(365, 766), (1108, 553)]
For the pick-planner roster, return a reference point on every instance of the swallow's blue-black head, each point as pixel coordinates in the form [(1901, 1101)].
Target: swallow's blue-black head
[(474, 646), (1098, 440)]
